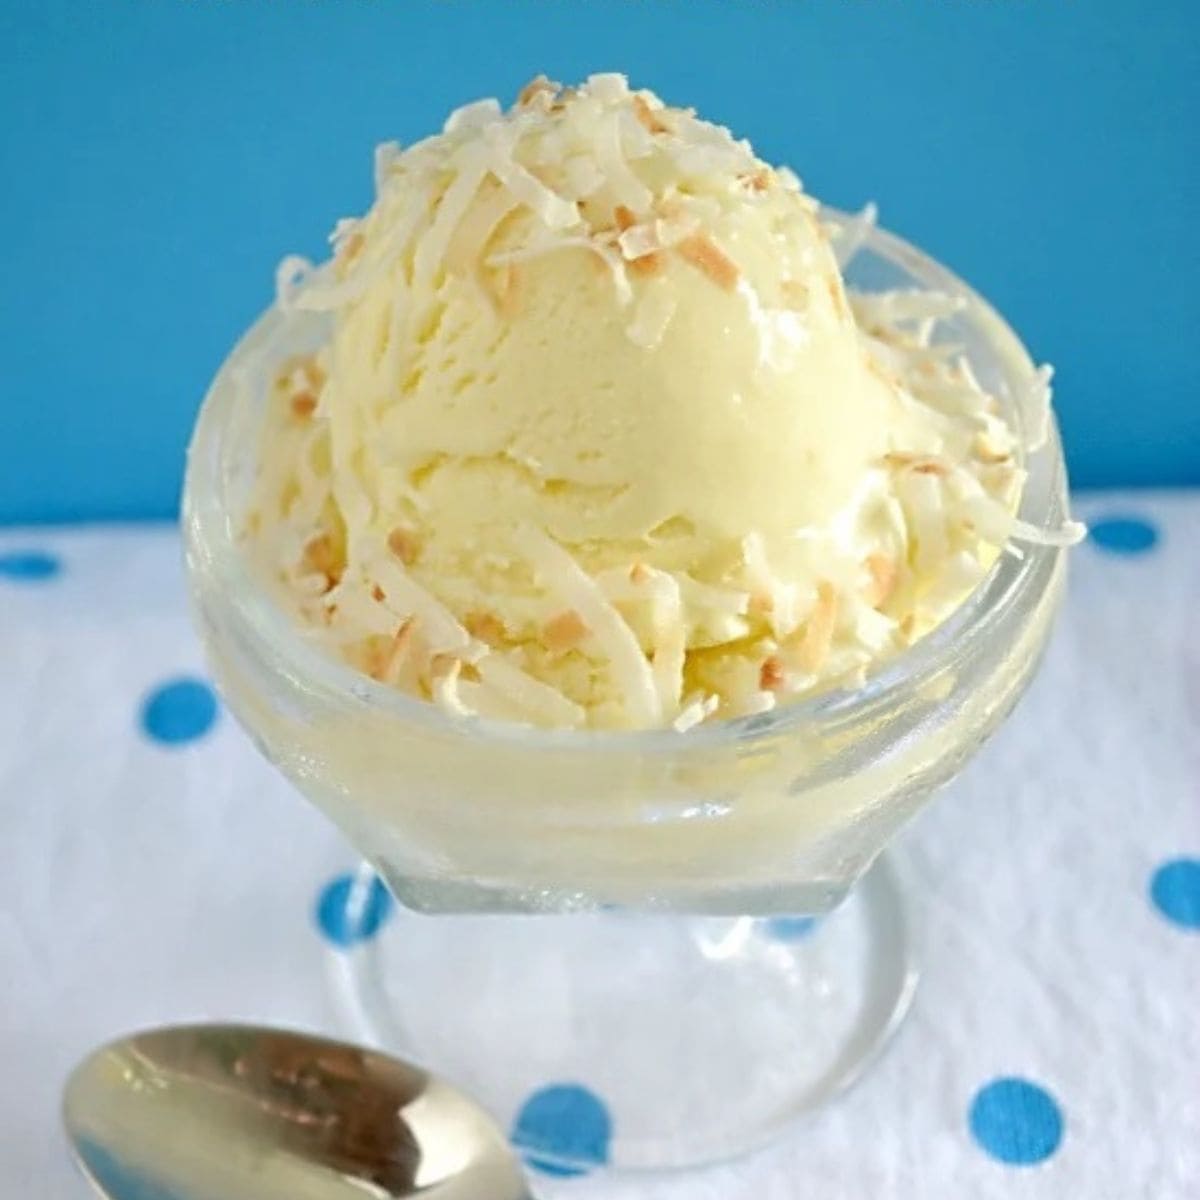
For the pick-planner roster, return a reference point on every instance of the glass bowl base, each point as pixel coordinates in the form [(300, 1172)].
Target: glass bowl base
[(638, 1042)]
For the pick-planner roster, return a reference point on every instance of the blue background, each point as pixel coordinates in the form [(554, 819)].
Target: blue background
[(157, 157)]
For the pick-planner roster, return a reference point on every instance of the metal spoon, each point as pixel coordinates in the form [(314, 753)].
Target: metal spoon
[(227, 1112)]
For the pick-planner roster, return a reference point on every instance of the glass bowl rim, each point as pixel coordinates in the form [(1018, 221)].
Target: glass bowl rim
[(211, 543)]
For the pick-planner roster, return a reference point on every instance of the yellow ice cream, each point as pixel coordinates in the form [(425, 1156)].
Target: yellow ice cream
[(598, 438)]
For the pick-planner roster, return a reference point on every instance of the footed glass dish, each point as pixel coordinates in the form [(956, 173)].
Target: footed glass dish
[(627, 910)]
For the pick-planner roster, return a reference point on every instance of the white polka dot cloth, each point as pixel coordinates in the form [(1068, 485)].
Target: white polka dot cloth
[(154, 869)]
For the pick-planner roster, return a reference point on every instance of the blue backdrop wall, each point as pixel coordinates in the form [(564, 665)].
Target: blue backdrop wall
[(158, 156)]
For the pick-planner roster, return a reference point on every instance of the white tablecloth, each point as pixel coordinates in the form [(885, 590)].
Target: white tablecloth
[(147, 880)]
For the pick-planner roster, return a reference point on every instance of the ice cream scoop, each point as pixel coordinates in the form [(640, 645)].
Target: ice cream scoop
[(599, 439)]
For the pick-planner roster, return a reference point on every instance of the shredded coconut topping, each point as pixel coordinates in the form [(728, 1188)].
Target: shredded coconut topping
[(570, 170)]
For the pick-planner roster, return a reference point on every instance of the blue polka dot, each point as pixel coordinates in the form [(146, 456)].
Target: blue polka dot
[(352, 908), (1124, 535), (1016, 1122), (790, 929), (563, 1130), (179, 711), (29, 566), (1175, 890)]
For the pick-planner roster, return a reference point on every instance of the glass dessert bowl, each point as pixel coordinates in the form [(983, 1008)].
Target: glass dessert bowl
[(661, 878)]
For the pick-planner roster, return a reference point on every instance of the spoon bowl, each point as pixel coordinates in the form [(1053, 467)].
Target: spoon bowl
[(230, 1112)]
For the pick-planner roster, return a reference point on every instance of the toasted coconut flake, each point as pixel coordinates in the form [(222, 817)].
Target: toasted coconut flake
[(321, 557), (564, 632), (538, 86), (313, 372), (883, 574), (405, 545), (771, 674), (818, 631), (444, 664), (920, 464), (647, 264), (485, 626), (647, 117), (704, 254), (303, 405), (756, 181), (837, 296)]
